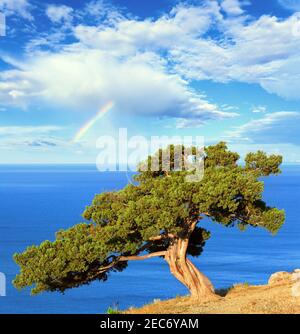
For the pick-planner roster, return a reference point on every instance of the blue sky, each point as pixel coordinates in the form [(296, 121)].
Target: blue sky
[(223, 69)]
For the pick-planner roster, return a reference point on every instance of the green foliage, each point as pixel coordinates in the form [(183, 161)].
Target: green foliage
[(161, 204), (262, 164), (112, 310)]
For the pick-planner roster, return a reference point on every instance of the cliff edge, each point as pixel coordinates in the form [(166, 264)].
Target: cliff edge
[(280, 295)]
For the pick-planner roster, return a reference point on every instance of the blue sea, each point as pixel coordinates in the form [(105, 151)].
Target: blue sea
[(36, 201)]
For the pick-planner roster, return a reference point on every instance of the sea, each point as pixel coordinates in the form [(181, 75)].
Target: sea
[(37, 200)]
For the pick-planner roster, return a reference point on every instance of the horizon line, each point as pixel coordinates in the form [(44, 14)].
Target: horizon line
[(93, 163)]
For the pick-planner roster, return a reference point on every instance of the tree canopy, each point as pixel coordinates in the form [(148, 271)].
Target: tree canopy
[(161, 216)]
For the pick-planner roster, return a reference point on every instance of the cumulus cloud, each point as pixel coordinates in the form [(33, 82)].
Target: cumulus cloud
[(232, 7), (89, 78), (101, 10), (120, 63), (59, 13), (146, 66), (16, 7), (128, 36), (263, 51)]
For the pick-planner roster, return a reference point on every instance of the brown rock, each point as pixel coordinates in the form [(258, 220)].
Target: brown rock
[(280, 277)]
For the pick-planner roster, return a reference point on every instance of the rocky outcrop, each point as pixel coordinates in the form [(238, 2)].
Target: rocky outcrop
[(296, 284), (284, 277), (281, 277)]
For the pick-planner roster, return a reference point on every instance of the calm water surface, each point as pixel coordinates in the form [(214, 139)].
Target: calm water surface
[(36, 201)]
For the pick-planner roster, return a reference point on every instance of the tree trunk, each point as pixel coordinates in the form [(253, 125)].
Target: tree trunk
[(183, 269)]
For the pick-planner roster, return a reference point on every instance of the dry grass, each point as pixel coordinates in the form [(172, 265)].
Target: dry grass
[(242, 299)]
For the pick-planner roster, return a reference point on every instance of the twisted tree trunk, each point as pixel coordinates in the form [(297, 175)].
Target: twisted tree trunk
[(184, 270), (180, 266)]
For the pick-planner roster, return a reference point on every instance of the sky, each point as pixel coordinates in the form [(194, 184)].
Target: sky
[(73, 71)]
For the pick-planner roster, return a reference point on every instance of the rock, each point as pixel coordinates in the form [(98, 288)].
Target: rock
[(296, 275), (296, 289), (296, 283), (283, 277), (280, 277)]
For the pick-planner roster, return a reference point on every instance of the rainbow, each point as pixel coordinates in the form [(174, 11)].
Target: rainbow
[(85, 128)]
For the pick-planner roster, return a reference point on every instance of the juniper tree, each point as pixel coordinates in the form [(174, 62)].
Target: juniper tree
[(158, 216)]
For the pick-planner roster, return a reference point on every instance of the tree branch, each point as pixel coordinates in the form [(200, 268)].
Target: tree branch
[(206, 214), (141, 257), (129, 258), (162, 236)]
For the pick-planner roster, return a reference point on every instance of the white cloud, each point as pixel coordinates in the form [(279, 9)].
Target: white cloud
[(274, 133), (278, 127), (146, 66), (20, 138), (102, 10), (26, 130), (46, 40), (258, 109), (89, 78), (184, 123), (263, 51), (128, 36), (59, 13), (114, 64), (16, 7), (232, 7)]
